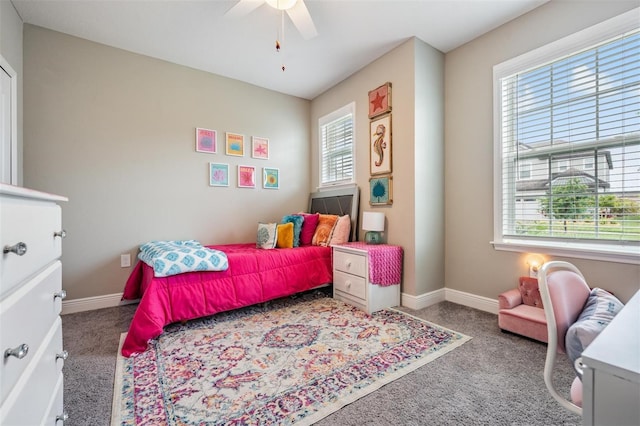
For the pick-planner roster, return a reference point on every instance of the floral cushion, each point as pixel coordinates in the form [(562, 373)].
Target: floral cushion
[(267, 235)]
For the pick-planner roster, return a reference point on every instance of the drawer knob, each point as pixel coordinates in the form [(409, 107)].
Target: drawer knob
[(348, 283), (61, 294), (19, 351), (62, 417), (19, 249), (347, 264), (60, 234), (62, 355)]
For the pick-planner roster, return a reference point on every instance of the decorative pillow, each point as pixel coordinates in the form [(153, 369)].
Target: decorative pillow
[(600, 309), (308, 228), (267, 235), (530, 292), (175, 257), (341, 231), (285, 235), (322, 236), (297, 221)]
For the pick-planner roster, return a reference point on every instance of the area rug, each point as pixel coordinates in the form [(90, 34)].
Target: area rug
[(293, 361)]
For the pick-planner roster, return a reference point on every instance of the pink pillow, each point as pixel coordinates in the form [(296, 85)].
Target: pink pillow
[(341, 230), (308, 228)]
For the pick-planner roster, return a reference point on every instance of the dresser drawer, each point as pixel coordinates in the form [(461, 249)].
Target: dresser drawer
[(33, 223), (26, 316), (30, 400), (352, 263), (350, 284)]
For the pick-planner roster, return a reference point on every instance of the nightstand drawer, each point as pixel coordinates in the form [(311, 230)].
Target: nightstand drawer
[(355, 264), (350, 284)]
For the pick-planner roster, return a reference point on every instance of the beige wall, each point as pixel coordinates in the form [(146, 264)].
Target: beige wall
[(114, 131), (471, 264), (415, 71), (11, 51)]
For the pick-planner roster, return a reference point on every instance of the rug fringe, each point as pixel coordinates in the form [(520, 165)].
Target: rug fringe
[(116, 405)]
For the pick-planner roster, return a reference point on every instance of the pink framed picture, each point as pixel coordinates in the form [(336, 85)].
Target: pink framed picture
[(246, 177), (260, 148), (206, 140)]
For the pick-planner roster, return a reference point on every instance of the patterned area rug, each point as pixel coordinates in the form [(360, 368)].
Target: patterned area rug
[(294, 361)]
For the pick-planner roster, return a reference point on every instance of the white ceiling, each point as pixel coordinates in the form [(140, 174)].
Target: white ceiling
[(196, 33)]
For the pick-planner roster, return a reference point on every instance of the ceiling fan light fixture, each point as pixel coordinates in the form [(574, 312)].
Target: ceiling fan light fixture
[(281, 4)]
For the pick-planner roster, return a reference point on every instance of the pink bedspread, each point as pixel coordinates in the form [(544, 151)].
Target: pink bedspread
[(254, 276)]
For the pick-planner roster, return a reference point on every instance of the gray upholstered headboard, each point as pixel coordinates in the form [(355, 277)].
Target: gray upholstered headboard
[(338, 201)]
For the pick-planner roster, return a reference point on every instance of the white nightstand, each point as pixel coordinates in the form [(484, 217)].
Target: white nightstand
[(353, 281)]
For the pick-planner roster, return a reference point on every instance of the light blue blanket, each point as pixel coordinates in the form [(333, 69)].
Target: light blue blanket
[(176, 257)]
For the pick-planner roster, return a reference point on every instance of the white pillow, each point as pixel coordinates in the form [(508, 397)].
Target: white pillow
[(267, 235)]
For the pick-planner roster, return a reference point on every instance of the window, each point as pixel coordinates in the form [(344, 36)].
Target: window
[(337, 146), (567, 171)]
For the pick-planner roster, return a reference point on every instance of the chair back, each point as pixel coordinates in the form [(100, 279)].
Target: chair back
[(564, 294)]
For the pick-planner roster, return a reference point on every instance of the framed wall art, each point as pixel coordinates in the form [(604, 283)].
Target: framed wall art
[(260, 148), (381, 190), (246, 177), (206, 140), (380, 145), (235, 144), (218, 174), (380, 100), (270, 178)]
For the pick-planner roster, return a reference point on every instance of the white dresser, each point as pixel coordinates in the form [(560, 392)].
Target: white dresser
[(352, 282), (30, 303)]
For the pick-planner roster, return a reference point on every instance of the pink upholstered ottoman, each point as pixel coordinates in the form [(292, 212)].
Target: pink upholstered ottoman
[(521, 311)]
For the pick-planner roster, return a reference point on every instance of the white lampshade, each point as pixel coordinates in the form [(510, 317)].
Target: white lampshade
[(373, 221), (281, 4)]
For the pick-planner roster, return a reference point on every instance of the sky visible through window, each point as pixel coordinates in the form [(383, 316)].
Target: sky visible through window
[(584, 98)]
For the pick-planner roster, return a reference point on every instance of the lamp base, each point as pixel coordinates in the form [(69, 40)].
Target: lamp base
[(373, 237)]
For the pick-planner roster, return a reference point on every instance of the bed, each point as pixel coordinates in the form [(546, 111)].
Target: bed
[(253, 276)]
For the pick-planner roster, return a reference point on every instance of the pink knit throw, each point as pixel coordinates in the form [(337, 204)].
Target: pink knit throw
[(385, 262)]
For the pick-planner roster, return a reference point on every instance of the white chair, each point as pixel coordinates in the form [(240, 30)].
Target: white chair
[(564, 294)]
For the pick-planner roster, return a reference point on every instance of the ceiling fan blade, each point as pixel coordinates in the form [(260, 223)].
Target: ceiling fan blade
[(243, 7), (301, 18)]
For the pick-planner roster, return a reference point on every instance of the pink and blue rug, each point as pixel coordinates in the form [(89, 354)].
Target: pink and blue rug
[(295, 361)]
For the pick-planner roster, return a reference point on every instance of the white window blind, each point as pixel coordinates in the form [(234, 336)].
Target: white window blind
[(337, 146), (569, 140)]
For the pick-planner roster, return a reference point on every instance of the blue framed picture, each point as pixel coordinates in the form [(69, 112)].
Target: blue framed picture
[(381, 190), (218, 174)]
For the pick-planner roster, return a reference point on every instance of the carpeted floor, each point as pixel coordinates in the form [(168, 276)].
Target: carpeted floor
[(494, 379)]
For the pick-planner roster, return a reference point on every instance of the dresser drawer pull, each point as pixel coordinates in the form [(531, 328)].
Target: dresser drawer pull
[(19, 352), (62, 355), (62, 417), (19, 249), (62, 294), (60, 234), (348, 284), (347, 264)]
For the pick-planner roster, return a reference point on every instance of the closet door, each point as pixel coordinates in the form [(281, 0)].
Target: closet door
[(8, 131)]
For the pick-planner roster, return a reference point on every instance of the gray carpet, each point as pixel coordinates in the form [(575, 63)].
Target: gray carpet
[(494, 379)]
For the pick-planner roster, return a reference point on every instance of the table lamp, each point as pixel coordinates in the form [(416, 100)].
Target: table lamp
[(373, 223)]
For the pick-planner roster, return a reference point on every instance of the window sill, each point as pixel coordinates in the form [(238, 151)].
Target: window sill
[(630, 254)]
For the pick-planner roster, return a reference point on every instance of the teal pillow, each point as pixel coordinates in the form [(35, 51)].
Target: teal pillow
[(297, 221)]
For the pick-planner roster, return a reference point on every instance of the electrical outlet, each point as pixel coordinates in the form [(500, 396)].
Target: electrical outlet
[(125, 260)]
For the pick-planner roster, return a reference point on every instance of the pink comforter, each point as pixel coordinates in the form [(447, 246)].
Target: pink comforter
[(254, 276)]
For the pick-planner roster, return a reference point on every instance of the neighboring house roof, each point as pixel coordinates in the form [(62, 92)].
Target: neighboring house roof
[(561, 178)]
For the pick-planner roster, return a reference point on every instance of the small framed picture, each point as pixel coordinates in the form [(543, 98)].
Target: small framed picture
[(380, 100), (270, 178), (206, 140), (218, 174), (235, 144), (246, 177), (381, 190), (260, 148), (380, 145)]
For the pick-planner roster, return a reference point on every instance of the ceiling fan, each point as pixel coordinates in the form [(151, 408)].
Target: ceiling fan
[(296, 9)]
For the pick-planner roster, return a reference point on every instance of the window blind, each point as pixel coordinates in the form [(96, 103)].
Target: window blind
[(336, 142), (570, 140)]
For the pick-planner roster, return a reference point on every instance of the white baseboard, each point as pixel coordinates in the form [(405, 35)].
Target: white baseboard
[(455, 296), (472, 300), (423, 300), (411, 302), (91, 303)]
